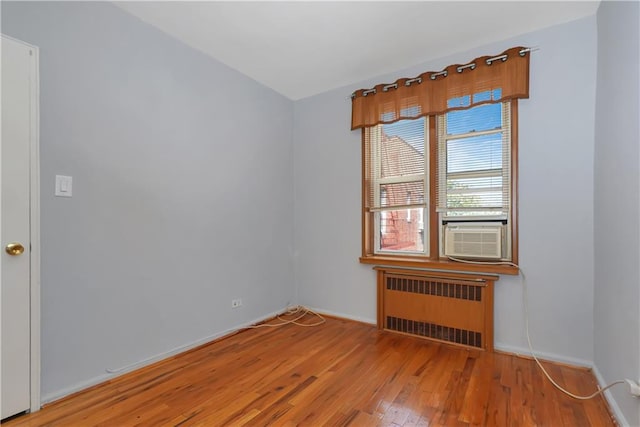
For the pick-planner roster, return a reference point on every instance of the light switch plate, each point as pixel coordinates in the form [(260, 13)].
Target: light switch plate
[(64, 185)]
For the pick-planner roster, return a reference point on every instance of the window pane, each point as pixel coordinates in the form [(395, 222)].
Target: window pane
[(474, 153), (467, 200), (402, 230), (476, 119), (398, 186), (469, 185), (473, 160), (402, 193), (402, 148)]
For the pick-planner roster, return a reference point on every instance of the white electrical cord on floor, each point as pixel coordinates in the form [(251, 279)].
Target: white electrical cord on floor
[(525, 304), (300, 310)]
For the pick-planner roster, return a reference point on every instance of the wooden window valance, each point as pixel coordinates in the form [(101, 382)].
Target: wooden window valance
[(485, 79)]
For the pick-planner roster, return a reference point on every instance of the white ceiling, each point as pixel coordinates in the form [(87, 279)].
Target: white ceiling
[(301, 49)]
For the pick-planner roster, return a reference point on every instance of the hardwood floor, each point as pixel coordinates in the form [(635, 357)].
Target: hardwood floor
[(337, 374)]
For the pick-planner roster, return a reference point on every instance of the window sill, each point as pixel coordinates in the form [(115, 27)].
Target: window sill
[(444, 265)]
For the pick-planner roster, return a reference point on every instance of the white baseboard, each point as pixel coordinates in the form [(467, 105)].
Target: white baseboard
[(620, 418), (58, 394), (342, 315), (522, 351)]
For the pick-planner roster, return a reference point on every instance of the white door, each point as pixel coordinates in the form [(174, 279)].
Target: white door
[(18, 96)]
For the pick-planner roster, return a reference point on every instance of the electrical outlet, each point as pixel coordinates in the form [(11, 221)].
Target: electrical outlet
[(235, 303), (634, 388)]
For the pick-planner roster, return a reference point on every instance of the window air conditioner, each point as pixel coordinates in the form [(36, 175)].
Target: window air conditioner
[(473, 240)]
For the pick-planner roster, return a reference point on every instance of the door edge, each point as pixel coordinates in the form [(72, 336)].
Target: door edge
[(34, 208)]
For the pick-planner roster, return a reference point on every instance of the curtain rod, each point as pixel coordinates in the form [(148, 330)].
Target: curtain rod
[(444, 73)]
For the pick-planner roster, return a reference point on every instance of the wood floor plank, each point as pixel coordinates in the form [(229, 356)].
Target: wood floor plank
[(342, 373)]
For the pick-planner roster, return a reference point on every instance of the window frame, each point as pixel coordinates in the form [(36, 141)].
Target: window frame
[(435, 232), (384, 211)]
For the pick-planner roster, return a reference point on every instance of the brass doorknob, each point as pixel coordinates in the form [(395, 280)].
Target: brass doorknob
[(14, 249)]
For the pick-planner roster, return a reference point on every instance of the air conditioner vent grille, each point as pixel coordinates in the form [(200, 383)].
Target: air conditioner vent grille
[(432, 330), (474, 241)]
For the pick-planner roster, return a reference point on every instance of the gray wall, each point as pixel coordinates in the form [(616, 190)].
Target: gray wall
[(182, 192), (556, 198), (617, 201)]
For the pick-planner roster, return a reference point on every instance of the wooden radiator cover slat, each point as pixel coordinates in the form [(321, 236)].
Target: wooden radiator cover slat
[(455, 308)]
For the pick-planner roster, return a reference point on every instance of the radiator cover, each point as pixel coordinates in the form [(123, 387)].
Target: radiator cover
[(455, 308)]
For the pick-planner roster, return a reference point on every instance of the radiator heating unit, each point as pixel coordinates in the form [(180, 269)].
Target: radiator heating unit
[(454, 308)]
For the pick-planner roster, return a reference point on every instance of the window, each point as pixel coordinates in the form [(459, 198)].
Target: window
[(439, 165), (470, 184), (474, 153), (398, 180)]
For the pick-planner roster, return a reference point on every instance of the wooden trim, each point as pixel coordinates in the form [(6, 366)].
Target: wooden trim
[(436, 273), (434, 223), (439, 265), (380, 306), (488, 314), (366, 232), (514, 181)]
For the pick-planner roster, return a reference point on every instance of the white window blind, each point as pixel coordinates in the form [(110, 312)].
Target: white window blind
[(396, 184), (474, 159), (397, 165)]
